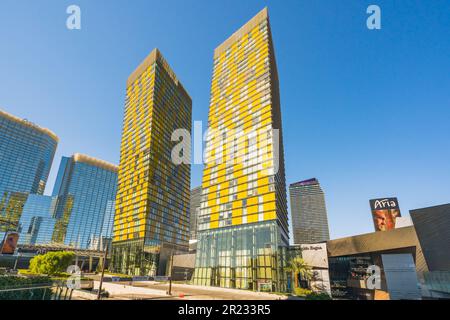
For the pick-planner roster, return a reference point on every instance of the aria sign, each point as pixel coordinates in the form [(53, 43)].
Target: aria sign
[(387, 203), (384, 213)]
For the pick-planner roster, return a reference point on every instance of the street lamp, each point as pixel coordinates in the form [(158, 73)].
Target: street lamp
[(170, 275), (105, 254)]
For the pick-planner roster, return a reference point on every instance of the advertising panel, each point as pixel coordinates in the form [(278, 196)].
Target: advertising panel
[(385, 211), (10, 243)]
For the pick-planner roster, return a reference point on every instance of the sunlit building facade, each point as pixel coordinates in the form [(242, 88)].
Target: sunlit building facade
[(26, 155), (152, 209), (243, 224), (37, 222), (86, 188), (11, 209), (194, 211), (308, 212)]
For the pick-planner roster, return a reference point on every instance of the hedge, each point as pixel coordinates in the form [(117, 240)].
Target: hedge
[(18, 282)]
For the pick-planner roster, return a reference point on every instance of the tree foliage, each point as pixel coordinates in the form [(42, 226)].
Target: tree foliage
[(52, 263), (298, 266)]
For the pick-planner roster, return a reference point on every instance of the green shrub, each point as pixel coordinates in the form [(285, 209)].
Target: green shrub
[(301, 292), (19, 282), (318, 296), (51, 263)]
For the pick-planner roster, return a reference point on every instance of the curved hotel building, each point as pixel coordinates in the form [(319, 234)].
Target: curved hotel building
[(26, 155), (243, 223), (86, 191)]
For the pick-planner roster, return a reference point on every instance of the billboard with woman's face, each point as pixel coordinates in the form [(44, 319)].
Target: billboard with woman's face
[(384, 213), (10, 244)]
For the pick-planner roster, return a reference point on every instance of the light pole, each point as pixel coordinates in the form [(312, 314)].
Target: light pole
[(170, 276), (99, 295), (17, 260)]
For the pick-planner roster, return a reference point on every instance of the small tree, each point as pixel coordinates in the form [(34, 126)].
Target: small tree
[(297, 266), (52, 263)]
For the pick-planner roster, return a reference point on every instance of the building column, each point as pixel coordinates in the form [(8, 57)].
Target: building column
[(90, 264)]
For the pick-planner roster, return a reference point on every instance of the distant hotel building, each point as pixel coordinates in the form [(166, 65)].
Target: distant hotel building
[(194, 211), (243, 223), (308, 212), (152, 209), (86, 188), (26, 155)]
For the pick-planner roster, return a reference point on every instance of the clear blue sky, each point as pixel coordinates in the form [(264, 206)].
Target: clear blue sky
[(366, 112)]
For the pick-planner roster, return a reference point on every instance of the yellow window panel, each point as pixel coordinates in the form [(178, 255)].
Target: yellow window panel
[(271, 215), (214, 224), (252, 210), (262, 190), (269, 206), (252, 218), (269, 197), (236, 221)]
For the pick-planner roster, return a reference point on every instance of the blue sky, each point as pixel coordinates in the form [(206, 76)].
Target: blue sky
[(366, 112)]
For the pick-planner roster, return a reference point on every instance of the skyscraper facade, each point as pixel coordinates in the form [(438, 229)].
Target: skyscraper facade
[(194, 211), (86, 188), (152, 209), (308, 212), (26, 155), (11, 209), (37, 222), (243, 224)]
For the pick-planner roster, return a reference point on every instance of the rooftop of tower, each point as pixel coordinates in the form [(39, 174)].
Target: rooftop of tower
[(78, 157), (305, 182), (255, 21), (154, 56), (27, 123)]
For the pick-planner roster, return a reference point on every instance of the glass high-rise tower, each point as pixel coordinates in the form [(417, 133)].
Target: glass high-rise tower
[(308, 212), (86, 188), (243, 224), (152, 210), (26, 155), (194, 211)]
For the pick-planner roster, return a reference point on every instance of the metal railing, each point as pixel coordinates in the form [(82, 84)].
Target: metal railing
[(37, 292)]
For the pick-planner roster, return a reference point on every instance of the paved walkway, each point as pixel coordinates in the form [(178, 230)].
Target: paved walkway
[(150, 290), (191, 292)]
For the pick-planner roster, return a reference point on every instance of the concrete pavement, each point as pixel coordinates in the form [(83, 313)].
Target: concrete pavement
[(150, 290)]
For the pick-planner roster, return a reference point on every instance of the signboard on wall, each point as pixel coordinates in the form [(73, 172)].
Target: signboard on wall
[(385, 212), (316, 256)]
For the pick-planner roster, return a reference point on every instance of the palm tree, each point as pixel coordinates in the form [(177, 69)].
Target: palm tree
[(297, 266)]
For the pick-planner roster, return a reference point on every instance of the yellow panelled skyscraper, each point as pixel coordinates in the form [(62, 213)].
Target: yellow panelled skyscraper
[(152, 204), (242, 226)]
